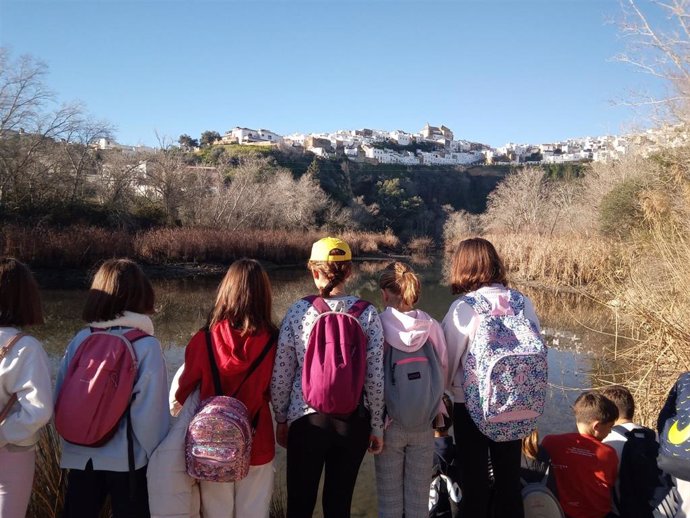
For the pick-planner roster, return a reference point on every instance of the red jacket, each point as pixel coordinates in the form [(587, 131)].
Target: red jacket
[(234, 354)]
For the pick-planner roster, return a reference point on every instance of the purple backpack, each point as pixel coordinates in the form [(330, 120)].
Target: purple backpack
[(335, 359), (506, 369), (218, 444)]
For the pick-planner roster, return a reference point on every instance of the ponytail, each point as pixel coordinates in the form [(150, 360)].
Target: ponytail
[(400, 279)]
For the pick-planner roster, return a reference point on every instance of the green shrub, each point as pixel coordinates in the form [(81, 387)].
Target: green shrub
[(620, 212)]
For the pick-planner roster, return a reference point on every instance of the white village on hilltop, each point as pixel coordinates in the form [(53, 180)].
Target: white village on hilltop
[(437, 146)]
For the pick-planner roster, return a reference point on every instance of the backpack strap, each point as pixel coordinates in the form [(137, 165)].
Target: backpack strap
[(257, 361), (318, 303), (135, 334), (517, 301), (214, 366), (619, 428), (132, 335), (478, 302), (358, 308), (10, 343), (322, 306), (3, 352)]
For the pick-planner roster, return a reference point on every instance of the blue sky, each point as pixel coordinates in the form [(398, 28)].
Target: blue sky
[(493, 71)]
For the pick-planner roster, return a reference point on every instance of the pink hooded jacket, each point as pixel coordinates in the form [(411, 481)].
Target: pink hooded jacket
[(409, 331)]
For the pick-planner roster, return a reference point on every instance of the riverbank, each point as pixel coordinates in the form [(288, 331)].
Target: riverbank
[(81, 247)]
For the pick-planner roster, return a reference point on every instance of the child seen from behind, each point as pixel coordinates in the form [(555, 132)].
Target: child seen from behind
[(320, 440), (119, 303), (584, 468), (25, 388), (415, 363), (242, 340)]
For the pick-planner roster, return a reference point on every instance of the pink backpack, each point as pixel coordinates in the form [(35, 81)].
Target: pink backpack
[(97, 388), (218, 443), (335, 359)]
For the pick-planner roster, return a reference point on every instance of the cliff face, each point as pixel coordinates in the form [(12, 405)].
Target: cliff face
[(410, 200), (414, 200)]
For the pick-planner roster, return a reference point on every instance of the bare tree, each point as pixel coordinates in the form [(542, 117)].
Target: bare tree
[(31, 127), (77, 140), (520, 203), (658, 43), (165, 180)]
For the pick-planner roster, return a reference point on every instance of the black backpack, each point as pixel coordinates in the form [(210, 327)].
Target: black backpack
[(444, 492), (645, 490), (674, 430)]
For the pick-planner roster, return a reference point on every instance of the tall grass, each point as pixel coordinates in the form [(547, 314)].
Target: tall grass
[(50, 482), (651, 302), (559, 261), (47, 497), (80, 246), (67, 247)]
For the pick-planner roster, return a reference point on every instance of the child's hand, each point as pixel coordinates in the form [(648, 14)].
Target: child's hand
[(375, 444), (282, 434)]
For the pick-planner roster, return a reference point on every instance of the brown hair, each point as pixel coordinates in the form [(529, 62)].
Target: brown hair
[(623, 400), (593, 406), (118, 286), (244, 298), (475, 264), (20, 301), (400, 280), (336, 272)]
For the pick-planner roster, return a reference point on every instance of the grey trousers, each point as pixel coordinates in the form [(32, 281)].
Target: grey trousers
[(403, 472)]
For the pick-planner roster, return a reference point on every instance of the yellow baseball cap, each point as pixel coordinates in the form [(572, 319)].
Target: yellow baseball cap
[(330, 249)]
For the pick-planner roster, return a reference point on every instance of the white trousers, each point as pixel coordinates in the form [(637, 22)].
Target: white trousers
[(16, 479), (248, 498)]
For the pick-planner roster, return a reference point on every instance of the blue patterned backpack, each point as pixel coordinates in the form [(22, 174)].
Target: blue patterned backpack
[(506, 369)]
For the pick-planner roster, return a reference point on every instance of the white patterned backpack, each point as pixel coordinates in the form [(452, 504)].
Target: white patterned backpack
[(506, 369)]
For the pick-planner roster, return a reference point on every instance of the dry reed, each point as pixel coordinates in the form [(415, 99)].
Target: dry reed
[(652, 305), (572, 261), (80, 246)]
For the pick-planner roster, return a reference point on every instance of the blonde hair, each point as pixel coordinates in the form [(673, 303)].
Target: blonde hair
[(530, 445), (336, 273), (400, 280)]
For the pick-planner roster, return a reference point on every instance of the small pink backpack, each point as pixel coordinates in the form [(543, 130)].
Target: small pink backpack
[(218, 443), (97, 388), (335, 361)]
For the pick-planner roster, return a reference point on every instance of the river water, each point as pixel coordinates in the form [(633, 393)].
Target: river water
[(182, 306)]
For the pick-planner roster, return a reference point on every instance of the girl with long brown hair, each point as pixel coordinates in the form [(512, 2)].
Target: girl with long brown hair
[(240, 330)]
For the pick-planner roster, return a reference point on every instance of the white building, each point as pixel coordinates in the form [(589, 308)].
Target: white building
[(248, 135), (402, 138), (296, 139)]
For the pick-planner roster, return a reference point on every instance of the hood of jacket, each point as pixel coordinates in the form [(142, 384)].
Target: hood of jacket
[(234, 352), (407, 331)]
